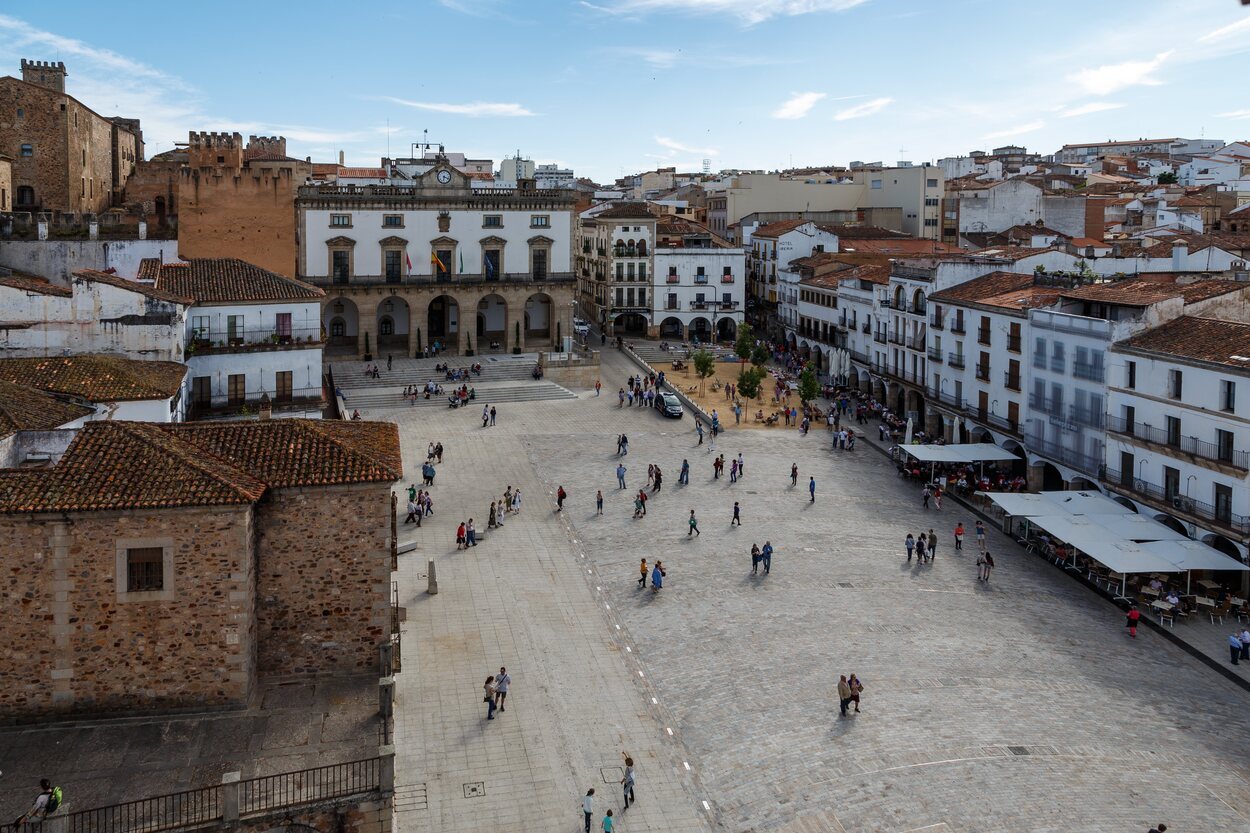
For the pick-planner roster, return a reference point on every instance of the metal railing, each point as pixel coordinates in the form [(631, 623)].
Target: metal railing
[(879, 337), (310, 785), (955, 359), (426, 280), (935, 354), (214, 339), (1085, 370), (983, 337), (1067, 456), (957, 326), (1013, 344), (1039, 361), (1011, 380), (983, 372), (1188, 445), (1170, 499), (1057, 365), (935, 321), (916, 342)]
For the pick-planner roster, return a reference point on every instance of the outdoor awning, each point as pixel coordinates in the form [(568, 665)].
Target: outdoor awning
[(1132, 527), (1086, 503), (1188, 554), (1127, 557), (1021, 504), (1079, 531), (958, 453)]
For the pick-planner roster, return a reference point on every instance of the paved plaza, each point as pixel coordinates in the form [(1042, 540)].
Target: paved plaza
[(1017, 705)]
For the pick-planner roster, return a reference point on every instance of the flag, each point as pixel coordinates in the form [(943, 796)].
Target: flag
[(437, 263), (460, 270), (490, 268), (408, 261)]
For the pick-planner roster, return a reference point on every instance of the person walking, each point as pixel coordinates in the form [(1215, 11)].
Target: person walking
[(624, 445), (609, 823), (844, 694), (694, 525), (959, 536), (492, 416), (657, 577), (925, 494), (620, 474), (684, 477), (766, 557), (588, 807), (470, 535), (698, 426), (1131, 619), (742, 465), (485, 415), (560, 496), (932, 544), (598, 387), (1234, 647), (922, 546), (412, 511), (737, 518), (627, 783), (910, 543), (488, 690), (599, 502), (46, 803), (937, 497), (856, 688), (980, 534), (642, 574), (733, 471), (755, 559), (1245, 643), (503, 680), (460, 536), (985, 563), (794, 475), (811, 487), (650, 473)]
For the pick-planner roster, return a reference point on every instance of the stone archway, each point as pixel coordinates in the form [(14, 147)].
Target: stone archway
[(863, 381), (392, 326), (1172, 523), (630, 324), (443, 323), (1224, 545), (491, 327), (701, 329), (672, 328), (340, 321), (1125, 502), (541, 324), (726, 329), (1052, 478)]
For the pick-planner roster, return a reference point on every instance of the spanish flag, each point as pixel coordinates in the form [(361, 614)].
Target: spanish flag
[(437, 263)]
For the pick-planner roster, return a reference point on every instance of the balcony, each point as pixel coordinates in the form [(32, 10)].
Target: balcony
[(935, 321), (896, 337), (1039, 361), (1013, 344), (717, 305), (426, 280), (983, 337), (1085, 416), (700, 279), (935, 354), (867, 328), (955, 359), (879, 337), (916, 342), (308, 399), (1170, 500), (1069, 457), (1085, 370), (957, 326), (983, 372), (204, 342), (672, 305), (726, 278), (948, 398), (1161, 440), (1011, 380), (1058, 365), (1044, 404), (672, 278), (886, 303), (1001, 422)]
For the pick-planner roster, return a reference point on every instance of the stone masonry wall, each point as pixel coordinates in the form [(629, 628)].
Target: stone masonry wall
[(243, 213), (72, 647), (323, 579), (365, 815)]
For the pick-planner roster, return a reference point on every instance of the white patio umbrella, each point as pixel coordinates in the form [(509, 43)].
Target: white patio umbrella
[(955, 429), (907, 436)]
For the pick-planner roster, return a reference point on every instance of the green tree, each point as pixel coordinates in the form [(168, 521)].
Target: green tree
[(809, 388), (745, 343), (704, 365), (1167, 178), (759, 356), (749, 382)]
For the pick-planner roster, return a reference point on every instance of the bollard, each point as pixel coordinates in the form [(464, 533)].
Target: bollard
[(230, 796), (432, 582)]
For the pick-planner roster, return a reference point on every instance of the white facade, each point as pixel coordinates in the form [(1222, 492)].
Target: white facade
[(553, 176), (694, 287), (771, 254)]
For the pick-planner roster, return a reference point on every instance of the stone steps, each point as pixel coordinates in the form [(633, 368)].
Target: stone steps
[(350, 375), (491, 394)]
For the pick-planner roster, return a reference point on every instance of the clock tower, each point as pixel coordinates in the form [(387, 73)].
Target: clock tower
[(443, 177)]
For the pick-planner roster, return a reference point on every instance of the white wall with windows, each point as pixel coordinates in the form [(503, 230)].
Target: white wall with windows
[(693, 286)]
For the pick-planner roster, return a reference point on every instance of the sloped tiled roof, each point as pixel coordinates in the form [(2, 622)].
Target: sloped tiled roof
[(863, 232), (225, 280), (30, 283), (96, 378), (139, 465), (778, 228), (871, 272), (1011, 291), (24, 408), (1142, 291), (1204, 339), (146, 289), (626, 211)]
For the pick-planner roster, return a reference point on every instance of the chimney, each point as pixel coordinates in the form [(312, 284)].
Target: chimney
[(1180, 252), (340, 158)]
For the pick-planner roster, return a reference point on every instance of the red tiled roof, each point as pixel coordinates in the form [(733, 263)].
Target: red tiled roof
[(139, 465), (362, 173), (272, 157), (626, 211), (225, 280), (24, 408), (771, 230), (1142, 291), (97, 378), (30, 283), (986, 288), (147, 289), (1204, 339), (871, 272), (863, 232), (900, 246)]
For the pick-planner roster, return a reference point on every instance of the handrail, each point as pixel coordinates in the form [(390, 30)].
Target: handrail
[(1189, 445)]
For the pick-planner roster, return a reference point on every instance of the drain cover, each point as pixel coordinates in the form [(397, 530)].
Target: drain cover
[(1018, 750), (845, 584), (612, 774), (475, 789)]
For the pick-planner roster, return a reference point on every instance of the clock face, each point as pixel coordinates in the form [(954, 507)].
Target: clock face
[(444, 177)]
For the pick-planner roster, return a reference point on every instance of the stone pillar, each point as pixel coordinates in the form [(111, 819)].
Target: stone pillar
[(431, 584), (43, 229), (416, 336), (387, 754), (143, 229), (230, 796), (1035, 476), (93, 230)]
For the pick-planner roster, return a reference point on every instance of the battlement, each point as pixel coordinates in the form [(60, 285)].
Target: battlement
[(265, 146), (212, 139), (47, 74), (214, 150)]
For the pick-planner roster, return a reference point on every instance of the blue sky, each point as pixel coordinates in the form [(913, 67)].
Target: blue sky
[(616, 86)]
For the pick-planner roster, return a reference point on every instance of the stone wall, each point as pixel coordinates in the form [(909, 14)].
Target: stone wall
[(74, 646), (6, 184), (364, 815), (244, 213), (323, 579), (57, 260), (153, 189)]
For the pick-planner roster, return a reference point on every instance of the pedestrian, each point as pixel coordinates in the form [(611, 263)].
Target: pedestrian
[(599, 502), (657, 577), (412, 512), (755, 559), (503, 681), (627, 783), (492, 520), (470, 535), (684, 477), (698, 426), (844, 694), (388, 362), (624, 445), (485, 415), (460, 536), (642, 574), (488, 690), (959, 535), (925, 494), (1234, 647), (910, 543), (922, 545), (659, 480), (588, 806), (811, 487), (516, 500), (794, 475), (766, 557), (638, 506), (737, 518), (650, 473), (620, 398), (856, 688), (560, 496), (620, 475), (694, 525), (733, 471), (980, 533), (607, 822), (1131, 619), (492, 415), (45, 804), (985, 563), (1245, 643), (742, 466), (937, 497), (598, 387), (642, 498), (932, 544)]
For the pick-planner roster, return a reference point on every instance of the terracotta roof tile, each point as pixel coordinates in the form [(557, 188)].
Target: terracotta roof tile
[(30, 283), (225, 280), (24, 408), (978, 290), (871, 272), (863, 232), (96, 378), (626, 211), (897, 246), (771, 230), (147, 289), (1204, 339), (1142, 291)]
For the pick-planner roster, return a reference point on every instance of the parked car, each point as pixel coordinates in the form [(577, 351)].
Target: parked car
[(668, 404), (581, 327)]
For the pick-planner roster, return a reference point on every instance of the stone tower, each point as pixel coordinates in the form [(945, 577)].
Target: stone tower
[(45, 74)]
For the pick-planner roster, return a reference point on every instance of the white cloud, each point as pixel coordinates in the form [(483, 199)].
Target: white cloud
[(473, 108), (658, 58), (748, 11), (868, 108), (1015, 131), (1092, 107), (673, 144), (1109, 78), (25, 34), (1234, 114), (797, 106), (1223, 32)]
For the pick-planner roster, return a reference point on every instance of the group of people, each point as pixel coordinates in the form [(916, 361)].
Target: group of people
[(459, 374), (924, 547), (461, 396), (640, 390), (420, 505), (628, 780), (508, 504), (849, 690), (414, 392), (655, 572)]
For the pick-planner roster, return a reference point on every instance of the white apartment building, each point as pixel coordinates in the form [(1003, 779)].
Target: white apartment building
[(1179, 428), (699, 287), (772, 247), (614, 264), (553, 176), (860, 291)]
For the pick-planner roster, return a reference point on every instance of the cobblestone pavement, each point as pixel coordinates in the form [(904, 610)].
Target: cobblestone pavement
[(1015, 705)]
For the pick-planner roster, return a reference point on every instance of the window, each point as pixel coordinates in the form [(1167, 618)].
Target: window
[(1223, 503), (876, 185), (1056, 398), (540, 221), (1127, 463), (394, 265), (930, 183), (1224, 445), (145, 569), (282, 386), (340, 265), (1058, 362), (199, 326), (28, 150), (931, 201), (490, 262), (84, 157), (21, 114), (642, 271), (1228, 395), (629, 271), (202, 390), (1173, 430), (620, 297), (341, 220), (442, 269), (282, 328), (1171, 482), (930, 221), (234, 329), (1130, 419), (1175, 386), (238, 389), (539, 257), (1039, 352), (492, 221), (386, 326), (393, 220), (338, 328), (1130, 375), (620, 271)]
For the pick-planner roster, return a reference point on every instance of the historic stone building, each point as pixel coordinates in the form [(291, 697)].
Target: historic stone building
[(441, 262), (66, 157), (237, 200), (168, 566)]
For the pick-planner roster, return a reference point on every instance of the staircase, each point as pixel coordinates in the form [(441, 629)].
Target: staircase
[(504, 379)]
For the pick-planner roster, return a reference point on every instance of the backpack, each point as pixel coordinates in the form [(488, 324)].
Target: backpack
[(54, 801)]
